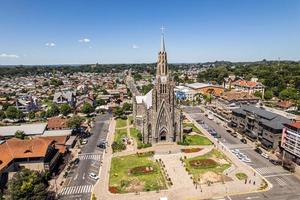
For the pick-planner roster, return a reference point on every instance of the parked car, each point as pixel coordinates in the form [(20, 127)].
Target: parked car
[(258, 150), (276, 162), (243, 140), (93, 176), (210, 117), (217, 136), (265, 155), (84, 141)]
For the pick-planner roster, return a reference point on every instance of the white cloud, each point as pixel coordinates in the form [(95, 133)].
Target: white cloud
[(50, 44), (84, 40), (134, 46), (5, 55)]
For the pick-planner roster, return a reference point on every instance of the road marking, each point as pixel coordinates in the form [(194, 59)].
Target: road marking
[(83, 177), (229, 197), (79, 189), (274, 175), (270, 170), (281, 182), (75, 177), (255, 197)]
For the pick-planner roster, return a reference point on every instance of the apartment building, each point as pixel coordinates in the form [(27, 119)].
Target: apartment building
[(257, 123), (291, 141)]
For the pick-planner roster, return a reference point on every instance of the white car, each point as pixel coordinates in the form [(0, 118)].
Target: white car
[(84, 141), (265, 155), (93, 176), (210, 117), (246, 160), (235, 151)]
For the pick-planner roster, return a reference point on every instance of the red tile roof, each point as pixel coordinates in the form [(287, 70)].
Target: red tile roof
[(57, 123), (295, 124), (245, 83)]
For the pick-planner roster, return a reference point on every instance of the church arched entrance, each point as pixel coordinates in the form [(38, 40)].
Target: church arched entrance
[(163, 135)]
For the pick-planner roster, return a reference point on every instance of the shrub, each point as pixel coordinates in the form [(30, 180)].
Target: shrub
[(118, 146)]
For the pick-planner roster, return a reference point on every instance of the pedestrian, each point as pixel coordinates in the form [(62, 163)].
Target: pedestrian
[(245, 181), (249, 181), (253, 182)]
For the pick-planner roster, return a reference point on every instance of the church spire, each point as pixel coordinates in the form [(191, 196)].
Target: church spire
[(162, 40), (162, 65)]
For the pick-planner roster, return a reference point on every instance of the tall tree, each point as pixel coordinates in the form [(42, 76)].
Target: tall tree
[(28, 184)]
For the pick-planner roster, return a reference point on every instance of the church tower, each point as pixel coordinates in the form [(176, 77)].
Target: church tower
[(166, 117)]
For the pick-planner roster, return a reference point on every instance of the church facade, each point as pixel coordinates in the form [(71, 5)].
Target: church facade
[(156, 114)]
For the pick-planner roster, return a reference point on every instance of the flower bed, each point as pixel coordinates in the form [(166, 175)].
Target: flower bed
[(141, 170), (113, 189), (203, 163), (145, 154), (191, 150)]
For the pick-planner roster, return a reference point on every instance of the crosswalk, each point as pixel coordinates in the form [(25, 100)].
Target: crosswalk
[(270, 170), (89, 156), (281, 182), (79, 189)]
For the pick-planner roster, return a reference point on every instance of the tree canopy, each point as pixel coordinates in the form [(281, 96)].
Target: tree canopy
[(28, 184)]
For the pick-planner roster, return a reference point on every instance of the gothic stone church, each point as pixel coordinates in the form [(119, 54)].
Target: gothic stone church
[(156, 114)]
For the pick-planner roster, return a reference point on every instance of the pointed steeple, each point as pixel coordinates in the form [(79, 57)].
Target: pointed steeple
[(162, 66), (162, 40)]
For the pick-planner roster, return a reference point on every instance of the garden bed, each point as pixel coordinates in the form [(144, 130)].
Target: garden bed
[(191, 150), (142, 170), (203, 163)]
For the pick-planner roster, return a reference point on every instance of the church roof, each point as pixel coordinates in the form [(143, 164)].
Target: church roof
[(147, 99)]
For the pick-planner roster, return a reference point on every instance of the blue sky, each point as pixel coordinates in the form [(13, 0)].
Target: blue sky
[(128, 31)]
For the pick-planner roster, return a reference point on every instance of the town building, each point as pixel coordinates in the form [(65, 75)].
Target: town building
[(156, 114), (257, 123), (184, 93), (291, 141), (41, 154), (62, 97), (232, 82), (206, 88)]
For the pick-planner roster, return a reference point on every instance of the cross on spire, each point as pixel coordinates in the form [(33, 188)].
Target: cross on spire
[(162, 29)]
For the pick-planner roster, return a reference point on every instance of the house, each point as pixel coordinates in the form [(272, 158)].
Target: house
[(84, 99), (251, 86), (27, 103), (62, 97), (258, 123), (286, 105), (40, 153)]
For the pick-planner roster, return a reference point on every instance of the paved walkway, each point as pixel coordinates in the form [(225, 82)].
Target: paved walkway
[(183, 187)]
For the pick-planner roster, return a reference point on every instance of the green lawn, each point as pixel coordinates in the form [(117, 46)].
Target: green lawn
[(123, 181), (130, 118), (194, 128), (121, 123), (196, 140), (134, 133), (241, 176), (197, 172), (119, 134)]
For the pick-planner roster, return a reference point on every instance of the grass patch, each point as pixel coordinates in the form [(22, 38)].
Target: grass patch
[(121, 123), (123, 181), (241, 176), (120, 134), (138, 138), (198, 171), (195, 140), (192, 125), (130, 118)]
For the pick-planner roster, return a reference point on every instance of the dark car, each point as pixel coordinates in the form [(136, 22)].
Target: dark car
[(75, 162), (243, 140), (102, 145), (217, 136), (276, 162), (258, 150)]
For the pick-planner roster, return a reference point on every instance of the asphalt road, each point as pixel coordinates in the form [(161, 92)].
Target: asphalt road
[(285, 185), (79, 183)]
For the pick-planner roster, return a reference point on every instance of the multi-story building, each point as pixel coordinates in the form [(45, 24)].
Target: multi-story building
[(291, 141), (184, 93), (257, 123)]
